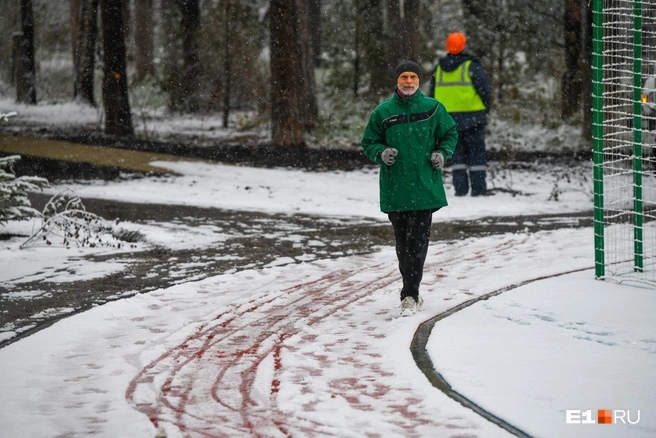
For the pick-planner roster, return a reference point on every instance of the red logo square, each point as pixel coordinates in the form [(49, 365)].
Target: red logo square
[(604, 416)]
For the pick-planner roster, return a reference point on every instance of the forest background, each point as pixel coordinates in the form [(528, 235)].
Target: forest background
[(308, 71)]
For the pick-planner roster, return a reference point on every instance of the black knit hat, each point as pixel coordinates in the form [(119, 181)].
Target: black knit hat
[(407, 66)]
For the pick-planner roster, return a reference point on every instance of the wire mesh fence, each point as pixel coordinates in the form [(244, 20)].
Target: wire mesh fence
[(624, 135)]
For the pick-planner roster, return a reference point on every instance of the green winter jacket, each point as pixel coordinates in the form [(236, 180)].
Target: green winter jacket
[(415, 126)]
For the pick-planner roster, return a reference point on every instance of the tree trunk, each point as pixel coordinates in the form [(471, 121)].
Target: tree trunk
[(374, 48), (315, 29), (571, 80), (286, 73), (118, 120), (227, 66), (587, 71), (83, 88), (127, 21), (357, 59), (188, 92), (76, 8), (474, 12), (410, 39), (24, 66), (143, 39), (394, 34), (309, 106), (170, 53)]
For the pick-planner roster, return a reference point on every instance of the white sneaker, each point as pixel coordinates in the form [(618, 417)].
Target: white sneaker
[(408, 306)]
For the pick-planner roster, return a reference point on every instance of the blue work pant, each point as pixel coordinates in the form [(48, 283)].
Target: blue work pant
[(469, 163)]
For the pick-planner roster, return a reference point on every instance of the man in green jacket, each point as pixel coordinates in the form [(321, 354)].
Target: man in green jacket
[(410, 136)]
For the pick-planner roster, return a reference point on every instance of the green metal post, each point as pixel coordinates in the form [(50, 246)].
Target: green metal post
[(637, 138), (597, 135)]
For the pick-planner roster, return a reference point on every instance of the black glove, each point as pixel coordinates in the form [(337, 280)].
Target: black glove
[(389, 156)]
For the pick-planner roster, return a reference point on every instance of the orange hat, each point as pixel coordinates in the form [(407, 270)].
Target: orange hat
[(455, 43)]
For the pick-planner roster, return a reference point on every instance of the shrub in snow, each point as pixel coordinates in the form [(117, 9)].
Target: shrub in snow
[(5, 116), (14, 203), (66, 222)]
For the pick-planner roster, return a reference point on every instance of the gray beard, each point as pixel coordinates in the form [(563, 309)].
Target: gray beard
[(407, 93)]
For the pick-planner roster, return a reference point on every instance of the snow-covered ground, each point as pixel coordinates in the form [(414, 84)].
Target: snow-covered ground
[(318, 348)]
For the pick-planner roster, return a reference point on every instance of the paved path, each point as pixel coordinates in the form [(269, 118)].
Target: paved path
[(228, 351), (227, 377), (274, 362), (95, 156)]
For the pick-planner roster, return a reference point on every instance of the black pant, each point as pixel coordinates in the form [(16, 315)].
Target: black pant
[(412, 232)]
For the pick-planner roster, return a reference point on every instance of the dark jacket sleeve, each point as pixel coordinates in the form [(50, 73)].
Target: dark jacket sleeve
[(481, 84)]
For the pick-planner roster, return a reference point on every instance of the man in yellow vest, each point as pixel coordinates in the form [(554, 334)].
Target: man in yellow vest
[(461, 85)]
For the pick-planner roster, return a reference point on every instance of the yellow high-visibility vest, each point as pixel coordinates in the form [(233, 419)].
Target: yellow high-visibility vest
[(456, 91)]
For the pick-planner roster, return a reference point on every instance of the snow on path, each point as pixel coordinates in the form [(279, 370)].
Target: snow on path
[(252, 338), (306, 350)]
